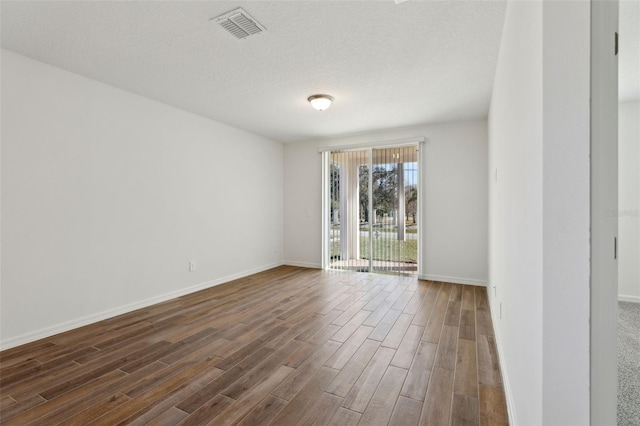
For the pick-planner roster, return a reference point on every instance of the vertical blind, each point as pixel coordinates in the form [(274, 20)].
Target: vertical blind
[(373, 202)]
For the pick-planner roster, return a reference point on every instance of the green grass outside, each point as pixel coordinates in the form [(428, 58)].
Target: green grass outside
[(389, 249), (413, 230)]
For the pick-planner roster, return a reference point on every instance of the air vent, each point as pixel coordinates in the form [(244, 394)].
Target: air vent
[(239, 24)]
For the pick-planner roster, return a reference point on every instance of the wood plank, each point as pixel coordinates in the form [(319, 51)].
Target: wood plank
[(64, 403), (20, 407), (483, 314), (144, 402), (408, 346), (318, 325), (413, 307), (468, 324), (384, 399), (216, 385), (488, 362), (81, 399), (165, 403), (66, 353), (261, 371), (294, 330), (433, 328), (207, 411), (6, 401), (152, 379), (468, 298), (376, 316), (466, 382), (348, 348), (396, 334), (385, 325), (345, 417), (306, 399), (96, 410), (407, 412), (446, 357), (362, 391), (251, 336), (403, 300), (493, 407), (172, 416), (377, 301), (29, 350), (349, 313), (306, 371), (350, 327), (425, 311), (244, 352), (264, 411), (465, 411), (415, 386), (436, 409), (347, 377), (191, 344), (322, 413)]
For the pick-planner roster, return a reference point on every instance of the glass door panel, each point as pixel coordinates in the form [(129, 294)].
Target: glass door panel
[(348, 215), (395, 195), (373, 200)]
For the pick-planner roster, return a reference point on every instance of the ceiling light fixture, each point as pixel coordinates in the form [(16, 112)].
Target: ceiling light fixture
[(320, 102)]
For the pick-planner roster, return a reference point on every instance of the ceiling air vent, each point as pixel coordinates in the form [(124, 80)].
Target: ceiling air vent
[(239, 24)]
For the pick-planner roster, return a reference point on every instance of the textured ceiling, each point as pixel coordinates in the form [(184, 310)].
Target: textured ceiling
[(387, 65), (629, 62)]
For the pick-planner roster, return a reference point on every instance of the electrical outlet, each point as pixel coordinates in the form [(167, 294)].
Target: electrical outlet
[(192, 265)]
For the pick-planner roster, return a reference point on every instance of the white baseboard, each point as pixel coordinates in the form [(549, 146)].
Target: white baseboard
[(110, 313), (506, 384), (302, 264), (454, 280), (627, 298)]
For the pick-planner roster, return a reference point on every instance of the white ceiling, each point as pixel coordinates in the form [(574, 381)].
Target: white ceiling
[(387, 65)]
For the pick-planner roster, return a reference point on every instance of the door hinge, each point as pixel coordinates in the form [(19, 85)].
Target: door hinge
[(616, 44), (615, 247)]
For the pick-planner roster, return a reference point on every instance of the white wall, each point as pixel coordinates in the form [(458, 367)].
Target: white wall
[(106, 196), (566, 212), (604, 200), (455, 195), (629, 201), (515, 210), (539, 211)]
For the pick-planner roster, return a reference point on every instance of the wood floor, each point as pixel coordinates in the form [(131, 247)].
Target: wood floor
[(287, 346)]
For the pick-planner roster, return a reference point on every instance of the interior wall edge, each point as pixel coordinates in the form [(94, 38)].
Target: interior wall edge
[(130, 307)]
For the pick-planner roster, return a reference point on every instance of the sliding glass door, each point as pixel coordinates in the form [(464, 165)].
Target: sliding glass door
[(372, 201)]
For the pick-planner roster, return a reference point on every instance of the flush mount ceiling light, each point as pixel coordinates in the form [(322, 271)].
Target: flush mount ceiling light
[(320, 102)]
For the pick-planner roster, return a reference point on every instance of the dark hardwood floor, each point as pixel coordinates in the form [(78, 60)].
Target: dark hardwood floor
[(286, 346)]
